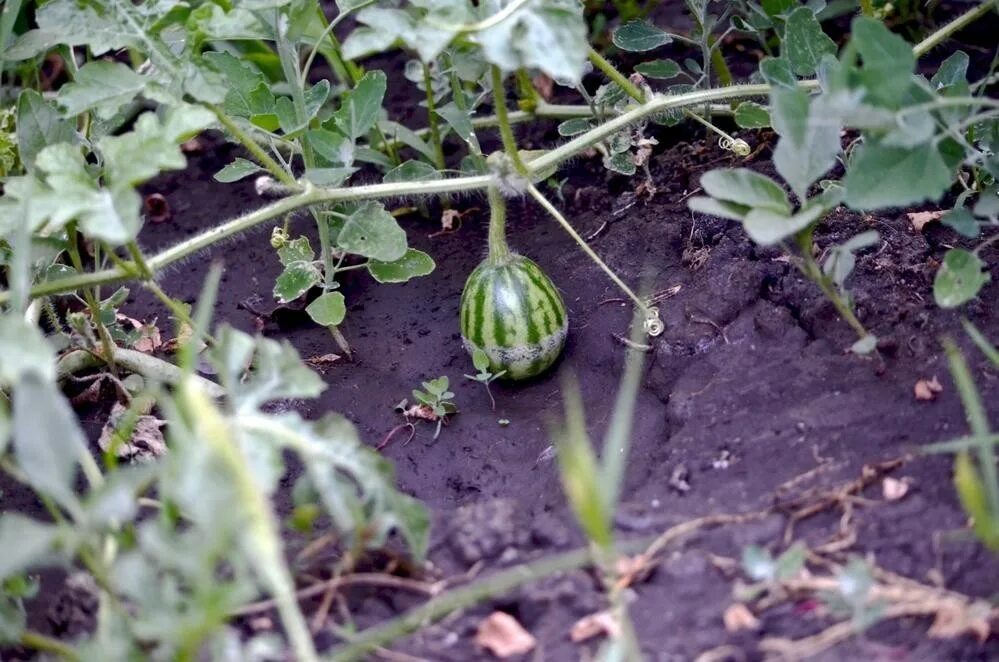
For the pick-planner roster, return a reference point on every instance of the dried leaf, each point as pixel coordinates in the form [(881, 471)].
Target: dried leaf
[(503, 636), (737, 617), (324, 361), (601, 623), (146, 442), (149, 339), (420, 411), (927, 389), (919, 219), (893, 489), (545, 86)]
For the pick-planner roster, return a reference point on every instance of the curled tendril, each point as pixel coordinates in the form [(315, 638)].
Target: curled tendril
[(653, 325), (736, 145), (279, 238)]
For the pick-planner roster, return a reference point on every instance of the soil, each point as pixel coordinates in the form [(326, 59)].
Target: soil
[(749, 389)]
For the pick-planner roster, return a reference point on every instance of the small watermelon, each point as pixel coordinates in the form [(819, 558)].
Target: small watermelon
[(511, 310)]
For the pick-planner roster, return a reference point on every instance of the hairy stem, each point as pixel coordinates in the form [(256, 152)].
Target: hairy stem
[(506, 132), (813, 272), (609, 70), (959, 23), (44, 644), (435, 134)]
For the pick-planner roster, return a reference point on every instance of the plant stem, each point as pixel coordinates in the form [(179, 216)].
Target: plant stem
[(959, 23), (506, 133), (867, 7), (40, 642), (150, 367), (499, 252), (609, 70), (310, 195), (258, 152), (813, 271), (550, 208), (107, 344), (435, 134)]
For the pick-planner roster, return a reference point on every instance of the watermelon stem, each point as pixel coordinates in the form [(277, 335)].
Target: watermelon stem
[(499, 251)]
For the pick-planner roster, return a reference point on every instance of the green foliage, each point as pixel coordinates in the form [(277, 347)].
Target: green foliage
[(438, 399)]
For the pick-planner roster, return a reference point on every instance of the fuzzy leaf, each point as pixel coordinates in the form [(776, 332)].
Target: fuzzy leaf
[(640, 36), (39, 125), (961, 276), (881, 176), (750, 115), (328, 309), (747, 188), (101, 86), (237, 170), (372, 232), (659, 69), (809, 141), (361, 107), (411, 265), (805, 44)]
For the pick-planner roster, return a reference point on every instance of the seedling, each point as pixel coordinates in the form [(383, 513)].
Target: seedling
[(767, 572), (435, 403), (481, 362)]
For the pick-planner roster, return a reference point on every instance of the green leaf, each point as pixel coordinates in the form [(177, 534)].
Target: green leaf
[(962, 221), (809, 141), (328, 309), (622, 163), (574, 127), (361, 107), (758, 564), (791, 562), (659, 69), (879, 176), (411, 265), (713, 207), (152, 146), (805, 43), (248, 93), (39, 125), (888, 61), (412, 171), (300, 271), (23, 351), (459, 120), (72, 24), (549, 35), (372, 232), (747, 188), (329, 176), (237, 170), (394, 130), (101, 86), (332, 146), (952, 71), (276, 371), (975, 500), (767, 226), (296, 250), (751, 115), (778, 71), (640, 36), (961, 276), (480, 359), (48, 441), (24, 543), (841, 259)]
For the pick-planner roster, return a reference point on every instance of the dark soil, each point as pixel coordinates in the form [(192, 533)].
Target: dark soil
[(749, 388)]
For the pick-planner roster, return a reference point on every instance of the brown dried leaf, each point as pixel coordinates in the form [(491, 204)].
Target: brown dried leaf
[(544, 85), (927, 389), (737, 617), (503, 636), (149, 339), (919, 219), (893, 489), (146, 443), (601, 623), (420, 411), (322, 362)]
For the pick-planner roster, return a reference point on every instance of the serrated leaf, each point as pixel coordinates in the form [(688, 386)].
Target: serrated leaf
[(39, 124), (961, 276), (640, 36), (328, 309), (361, 107), (48, 442), (372, 232), (237, 170), (72, 24), (751, 115), (805, 44), (809, 141), (411, 265), (880, 176), (659, 69), (102, 86), (745, 187), (888, 61), (248, 93)]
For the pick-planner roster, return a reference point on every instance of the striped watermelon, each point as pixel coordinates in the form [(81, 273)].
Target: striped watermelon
[(511, 310)]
